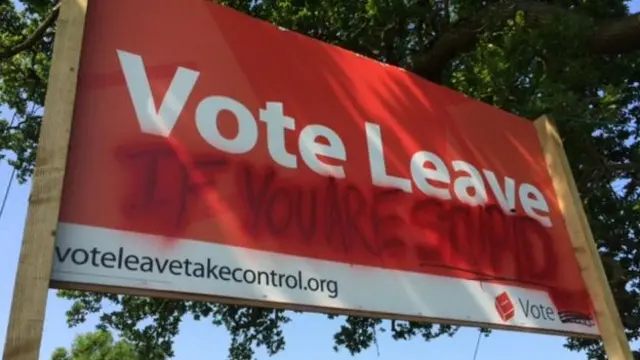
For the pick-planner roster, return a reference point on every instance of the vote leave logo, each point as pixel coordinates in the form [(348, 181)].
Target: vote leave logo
[(505, 306)]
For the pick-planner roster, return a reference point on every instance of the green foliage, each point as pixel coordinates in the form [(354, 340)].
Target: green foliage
[(524, 65), (23, 80), (98, 345)]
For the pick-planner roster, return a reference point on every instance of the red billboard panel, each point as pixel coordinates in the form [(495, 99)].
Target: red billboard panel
[(216, 154)]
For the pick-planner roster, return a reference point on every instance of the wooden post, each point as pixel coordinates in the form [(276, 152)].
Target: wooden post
[(26, 320), (606, 312)]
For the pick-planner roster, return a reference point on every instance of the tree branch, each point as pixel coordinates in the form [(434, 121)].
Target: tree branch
[(612, 37), (33, 38), (618, 36), (623, 166)]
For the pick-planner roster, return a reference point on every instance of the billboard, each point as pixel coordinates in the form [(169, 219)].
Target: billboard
[(226, 158)]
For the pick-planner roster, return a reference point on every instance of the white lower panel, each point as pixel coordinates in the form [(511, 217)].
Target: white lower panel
[(102, 256)]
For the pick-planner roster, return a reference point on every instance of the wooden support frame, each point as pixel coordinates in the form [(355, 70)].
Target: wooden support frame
[(607, 317), (26, 320)]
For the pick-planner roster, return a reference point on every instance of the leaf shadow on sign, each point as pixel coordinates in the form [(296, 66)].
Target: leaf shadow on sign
[(528, 258), (397, 95)]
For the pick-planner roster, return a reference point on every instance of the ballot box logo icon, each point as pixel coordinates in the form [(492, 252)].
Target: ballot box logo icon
[(505, 306)]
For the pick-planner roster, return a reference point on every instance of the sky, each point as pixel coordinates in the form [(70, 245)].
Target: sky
[(309, 336)]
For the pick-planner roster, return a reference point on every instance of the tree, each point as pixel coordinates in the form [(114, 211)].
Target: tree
[(574, 60), (98, 345)]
